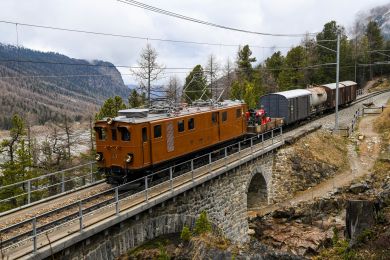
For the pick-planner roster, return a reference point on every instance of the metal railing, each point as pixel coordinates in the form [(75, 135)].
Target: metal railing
[(45, 186), (373, 110), (361, 92), (143, 189), (358, 113), (348, 131)]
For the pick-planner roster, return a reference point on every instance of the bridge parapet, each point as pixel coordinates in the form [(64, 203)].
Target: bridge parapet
[(218, 188)]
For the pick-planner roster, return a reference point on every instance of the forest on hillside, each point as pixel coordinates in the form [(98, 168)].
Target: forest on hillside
[(45, 87), (313, 62)]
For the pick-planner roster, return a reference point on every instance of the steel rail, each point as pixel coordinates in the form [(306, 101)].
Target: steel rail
[(235, 148)]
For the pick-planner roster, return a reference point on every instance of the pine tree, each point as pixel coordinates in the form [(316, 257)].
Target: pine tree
[(202, 224), (375, 43), (135, 100), (18, 166), (110, 108), (244, 63), (275, 63), (196, 85), (327, 38), (292, 75)]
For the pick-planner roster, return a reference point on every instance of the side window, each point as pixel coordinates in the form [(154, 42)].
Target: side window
[(125, 134), (191, 123), (157, 131), (144, 134), (101, 133), (238, 113), (214, 117), (113, 134), (224, 116), (180, 126)]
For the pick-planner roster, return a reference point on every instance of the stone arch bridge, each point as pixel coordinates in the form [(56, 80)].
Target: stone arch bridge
[(226, 199)]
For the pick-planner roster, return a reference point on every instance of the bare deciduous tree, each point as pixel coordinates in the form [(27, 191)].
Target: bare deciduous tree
[(149, 70), (213, 69), (228, 72), (173, 93)]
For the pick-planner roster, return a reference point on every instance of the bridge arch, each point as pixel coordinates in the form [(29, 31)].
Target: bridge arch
[(258, 188)]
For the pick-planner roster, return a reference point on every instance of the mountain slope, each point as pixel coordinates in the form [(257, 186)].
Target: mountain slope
[(381, 15), (47, 86)]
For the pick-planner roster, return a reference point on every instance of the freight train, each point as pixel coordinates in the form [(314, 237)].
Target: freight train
[(140, 140), (299, 104)]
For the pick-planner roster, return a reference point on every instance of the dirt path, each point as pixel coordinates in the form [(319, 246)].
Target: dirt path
[(360, 165), (369, 84)]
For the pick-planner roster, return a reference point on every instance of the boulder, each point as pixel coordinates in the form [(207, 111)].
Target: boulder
[(284, 213), (360, 217), (358, 188)]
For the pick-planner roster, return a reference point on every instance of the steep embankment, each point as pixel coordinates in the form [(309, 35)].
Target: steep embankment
[(47, 86), (307, 163), (313, 221)]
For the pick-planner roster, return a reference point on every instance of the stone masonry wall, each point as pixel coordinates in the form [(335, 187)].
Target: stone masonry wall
[(223, 198), (293, 172)]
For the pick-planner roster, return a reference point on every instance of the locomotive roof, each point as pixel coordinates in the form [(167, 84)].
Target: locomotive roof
[(293, 93), (185, 111), (342, 84)]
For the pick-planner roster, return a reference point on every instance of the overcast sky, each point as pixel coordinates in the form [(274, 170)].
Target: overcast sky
[(111, 16)]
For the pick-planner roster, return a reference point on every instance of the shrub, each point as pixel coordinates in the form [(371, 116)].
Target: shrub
[(335, 237), (163, 255), (202, 224), (365, 236), (185, 234)]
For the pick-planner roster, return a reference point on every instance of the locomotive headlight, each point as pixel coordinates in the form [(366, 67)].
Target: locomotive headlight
[(109, 120), (129, 158), (98, 156)]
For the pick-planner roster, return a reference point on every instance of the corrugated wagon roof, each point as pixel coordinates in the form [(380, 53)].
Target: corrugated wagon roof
[(348, 83), (342, 84), (333, 85), (293, 93)]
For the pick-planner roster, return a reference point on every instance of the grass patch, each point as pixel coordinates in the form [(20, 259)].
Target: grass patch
[(333, 149), (382, 123), (158, 243)]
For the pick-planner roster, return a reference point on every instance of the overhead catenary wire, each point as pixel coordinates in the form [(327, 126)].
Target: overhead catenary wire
[(136, 37), (187, 18), (128, 66), (312, 67)]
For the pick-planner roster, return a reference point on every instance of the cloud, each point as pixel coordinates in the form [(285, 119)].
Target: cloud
[(110, 16)]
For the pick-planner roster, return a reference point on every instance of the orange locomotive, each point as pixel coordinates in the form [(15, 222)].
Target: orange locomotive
[(137, 141)]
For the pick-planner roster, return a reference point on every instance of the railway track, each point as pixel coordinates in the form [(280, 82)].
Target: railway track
[(19, 233), (13, 233)]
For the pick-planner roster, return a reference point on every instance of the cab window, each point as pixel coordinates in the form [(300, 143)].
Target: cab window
[(157, 131), (125, 133), (214, 117), (101, 133), (144, 134), (191, 123), (238, 113), (113, 134), (180, 126), (224, 116)]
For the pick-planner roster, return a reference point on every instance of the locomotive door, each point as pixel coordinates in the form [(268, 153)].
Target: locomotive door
[(216, 134), (145, 137)]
